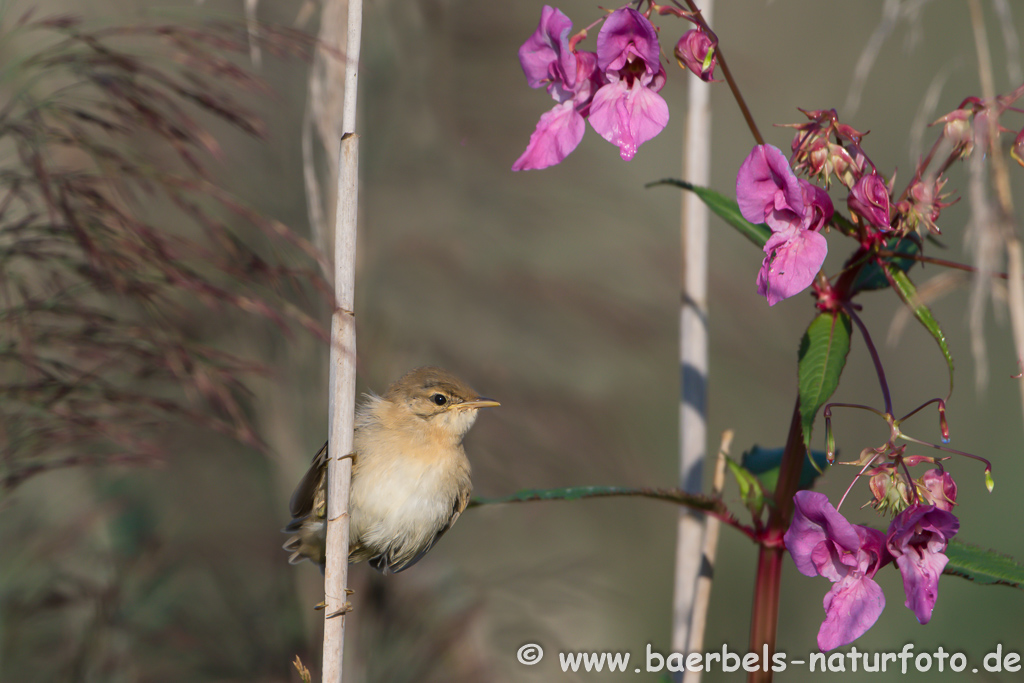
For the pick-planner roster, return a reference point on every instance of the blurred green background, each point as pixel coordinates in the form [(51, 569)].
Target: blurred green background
[(555, 292)]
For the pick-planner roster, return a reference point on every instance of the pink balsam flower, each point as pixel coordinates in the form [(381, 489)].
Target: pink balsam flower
[(627, 111), (768, 191), (614, 88), (570, 78), (823, 543), (917, 539)]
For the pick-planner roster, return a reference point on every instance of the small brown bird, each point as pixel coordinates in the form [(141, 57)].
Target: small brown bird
[(410, 475)]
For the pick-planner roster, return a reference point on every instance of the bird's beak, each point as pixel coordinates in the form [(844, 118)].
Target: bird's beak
[(476, 403)]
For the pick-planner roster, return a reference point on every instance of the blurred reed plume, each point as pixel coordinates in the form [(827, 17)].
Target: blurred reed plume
[(112, 226)]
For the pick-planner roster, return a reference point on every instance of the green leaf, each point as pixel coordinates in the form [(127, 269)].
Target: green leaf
[(725, 208), (765, 464), (823, 351), (750, 487), (697, 502), (908, 293), (872, 277), (983, 566)]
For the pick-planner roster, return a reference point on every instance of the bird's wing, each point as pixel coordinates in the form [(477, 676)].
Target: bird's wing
[(304, 498), (387, 565)]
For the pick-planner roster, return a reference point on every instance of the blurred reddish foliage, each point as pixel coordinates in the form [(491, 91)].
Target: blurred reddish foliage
[(112, 227)]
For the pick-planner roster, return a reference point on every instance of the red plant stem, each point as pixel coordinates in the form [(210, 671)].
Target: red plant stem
[(764, 618)]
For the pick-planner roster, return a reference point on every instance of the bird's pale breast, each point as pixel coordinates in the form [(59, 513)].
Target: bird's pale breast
[(405, 489)]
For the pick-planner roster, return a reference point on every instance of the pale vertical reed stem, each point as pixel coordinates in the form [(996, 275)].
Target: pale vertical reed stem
[(1006, 221), (702, 594), (342, 362), (693, 353)]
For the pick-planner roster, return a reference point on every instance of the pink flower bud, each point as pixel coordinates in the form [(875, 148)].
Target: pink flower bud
[(1017, 151), (938, 489), (811, 155), (869, 199), (843, 165), (958, 130), (696, 51), (889, 489), (922, 205)]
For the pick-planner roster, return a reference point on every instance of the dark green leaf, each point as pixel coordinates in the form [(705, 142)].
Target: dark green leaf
[(725, 208), (983, 566), (872, 276), (766, 462), (908, 293), (823, 351)]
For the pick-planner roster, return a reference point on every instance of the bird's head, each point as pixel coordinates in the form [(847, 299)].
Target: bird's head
[(440, 398)]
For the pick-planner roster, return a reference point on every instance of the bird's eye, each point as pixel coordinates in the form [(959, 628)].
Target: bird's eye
[(439, 399)]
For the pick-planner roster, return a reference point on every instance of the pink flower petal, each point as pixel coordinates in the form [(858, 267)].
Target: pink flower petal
[(793, 260), (921, 571), (625, 36), (548, 47), (823, 542), (768, 191), (558, 133), (917, 539), (818, 207), (628, 117), (815, 521), (851, 608)]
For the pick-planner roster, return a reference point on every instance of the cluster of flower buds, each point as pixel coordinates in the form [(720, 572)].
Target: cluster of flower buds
[(894, 492), (823, 543), (823, 147)]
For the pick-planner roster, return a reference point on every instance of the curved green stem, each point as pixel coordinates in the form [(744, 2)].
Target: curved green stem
[(711, 506)]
